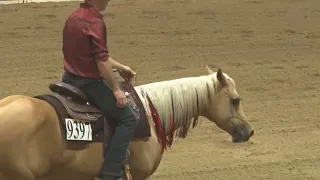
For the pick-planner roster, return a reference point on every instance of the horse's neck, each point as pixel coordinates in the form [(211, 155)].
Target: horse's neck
[(181, 101)]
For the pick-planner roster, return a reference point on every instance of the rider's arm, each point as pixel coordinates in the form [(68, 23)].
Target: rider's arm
[(115, 64), (97, 33), (106, 71)]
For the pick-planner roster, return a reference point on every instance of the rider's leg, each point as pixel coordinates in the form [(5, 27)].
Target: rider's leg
[(102, 96)]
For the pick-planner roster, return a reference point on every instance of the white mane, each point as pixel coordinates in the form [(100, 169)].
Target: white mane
[(184, 98)]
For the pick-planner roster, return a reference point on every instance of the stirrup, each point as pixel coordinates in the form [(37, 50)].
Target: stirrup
[(127, 168)]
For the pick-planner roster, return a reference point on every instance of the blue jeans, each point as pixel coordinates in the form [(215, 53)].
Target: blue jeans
[(101, 95)]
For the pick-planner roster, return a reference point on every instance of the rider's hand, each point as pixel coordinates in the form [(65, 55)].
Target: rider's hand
[(121, 98), (127, 73)]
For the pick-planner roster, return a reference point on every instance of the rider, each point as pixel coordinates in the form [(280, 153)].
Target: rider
[(89, 67)]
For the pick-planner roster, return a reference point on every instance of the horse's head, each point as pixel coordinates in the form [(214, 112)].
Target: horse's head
[(225, 109)]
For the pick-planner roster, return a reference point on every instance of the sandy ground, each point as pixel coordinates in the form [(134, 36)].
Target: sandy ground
[(31, 1), (271, 49)]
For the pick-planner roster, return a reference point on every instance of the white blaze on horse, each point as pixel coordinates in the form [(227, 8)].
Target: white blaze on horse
[(41, 140)]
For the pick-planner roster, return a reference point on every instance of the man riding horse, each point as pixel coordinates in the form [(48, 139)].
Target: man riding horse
[(89, 67)]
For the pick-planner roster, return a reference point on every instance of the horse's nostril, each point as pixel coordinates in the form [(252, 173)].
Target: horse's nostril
[(252, 133)]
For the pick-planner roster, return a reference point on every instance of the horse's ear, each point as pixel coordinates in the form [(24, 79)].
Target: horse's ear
[(221, 78), (209, 70)]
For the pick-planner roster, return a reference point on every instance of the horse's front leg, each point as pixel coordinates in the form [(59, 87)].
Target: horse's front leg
[(145, 157)]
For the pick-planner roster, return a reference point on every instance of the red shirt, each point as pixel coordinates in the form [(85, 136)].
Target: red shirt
[(84, 42)]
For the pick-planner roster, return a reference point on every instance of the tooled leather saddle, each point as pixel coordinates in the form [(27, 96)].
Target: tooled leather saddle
[(70, 102)]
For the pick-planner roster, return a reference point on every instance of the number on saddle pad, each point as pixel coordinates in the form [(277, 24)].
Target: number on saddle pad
[(78, 130)]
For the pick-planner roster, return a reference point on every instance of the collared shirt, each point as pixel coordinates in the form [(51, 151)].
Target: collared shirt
[(84, 42)]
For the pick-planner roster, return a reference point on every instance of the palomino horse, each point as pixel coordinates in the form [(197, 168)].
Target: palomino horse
[(33, 144)]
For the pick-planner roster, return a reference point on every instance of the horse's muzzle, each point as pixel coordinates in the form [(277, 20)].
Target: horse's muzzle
[(242, 134)]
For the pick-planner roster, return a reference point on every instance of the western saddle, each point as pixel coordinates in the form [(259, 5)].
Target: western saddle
[(75, 102), (71, 102), (78, 106)]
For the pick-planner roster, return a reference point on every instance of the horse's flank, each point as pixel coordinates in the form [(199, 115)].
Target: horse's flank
[(24, 133)]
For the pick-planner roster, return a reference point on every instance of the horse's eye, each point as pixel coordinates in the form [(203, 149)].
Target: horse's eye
[(235, 101)]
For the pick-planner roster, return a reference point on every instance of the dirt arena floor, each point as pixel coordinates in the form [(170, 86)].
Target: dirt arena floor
[(270, 48)]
